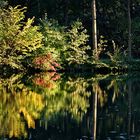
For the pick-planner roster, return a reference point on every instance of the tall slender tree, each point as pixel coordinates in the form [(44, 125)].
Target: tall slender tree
[(94, 28)]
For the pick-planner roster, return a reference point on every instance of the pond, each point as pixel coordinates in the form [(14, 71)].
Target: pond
[(51, 106)]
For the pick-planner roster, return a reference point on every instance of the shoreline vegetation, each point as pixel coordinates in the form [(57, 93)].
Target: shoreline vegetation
[(48, 46), (103, 67)]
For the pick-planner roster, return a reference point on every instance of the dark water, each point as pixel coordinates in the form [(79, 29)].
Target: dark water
[(50, 106)]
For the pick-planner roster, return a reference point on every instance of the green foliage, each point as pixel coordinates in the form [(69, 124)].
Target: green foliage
[(117, 55), (66, 45), (62, 95), (76, 51), (18, 39), (102, 44), (3, 3), (21, 105), (54, 38), (68, 96), (112, 16)]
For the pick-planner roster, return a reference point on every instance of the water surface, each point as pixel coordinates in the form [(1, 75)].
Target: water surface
[(51, 106)]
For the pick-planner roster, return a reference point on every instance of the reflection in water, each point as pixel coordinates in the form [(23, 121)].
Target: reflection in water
[(117, 119), (18, 104), (41, 97), (45, 106), (95, 102)]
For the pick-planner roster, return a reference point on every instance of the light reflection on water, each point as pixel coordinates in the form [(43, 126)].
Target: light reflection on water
[(51, 106)]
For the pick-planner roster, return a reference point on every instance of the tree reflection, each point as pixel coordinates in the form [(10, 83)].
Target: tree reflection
[(56, 101), (67, 96), (17, 104), (108, 87), (118, 116), (22, 103)]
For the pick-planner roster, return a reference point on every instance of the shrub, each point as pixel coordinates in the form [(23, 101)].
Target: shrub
[(18, 38), (54, 38), (3, 3), (45, 62), (76, 50), (67, 44), (117, 55), (101, 49)]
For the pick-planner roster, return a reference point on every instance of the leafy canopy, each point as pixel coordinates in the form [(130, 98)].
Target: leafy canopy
[(67, 44), (18, 38)]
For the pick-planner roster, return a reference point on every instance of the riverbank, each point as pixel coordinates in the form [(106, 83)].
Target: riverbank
[(106, 66), (101, 67)]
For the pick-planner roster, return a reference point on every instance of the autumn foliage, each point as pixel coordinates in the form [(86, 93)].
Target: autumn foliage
[(46, 62)]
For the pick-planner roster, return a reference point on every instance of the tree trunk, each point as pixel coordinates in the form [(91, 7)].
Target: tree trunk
[(94, 29), (95, 98), (129, 31)]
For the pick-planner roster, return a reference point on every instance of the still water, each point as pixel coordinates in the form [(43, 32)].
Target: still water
[(51, 106)]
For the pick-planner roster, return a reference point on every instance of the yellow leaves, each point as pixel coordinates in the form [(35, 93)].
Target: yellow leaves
[(28, 24), (29, 119), (17, 13), (29, 39), (69, 96), (17, 37), (17, 103), (12, 126)]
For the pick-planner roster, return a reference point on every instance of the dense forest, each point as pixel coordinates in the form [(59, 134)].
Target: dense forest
[(69, 69), (54, 34)]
